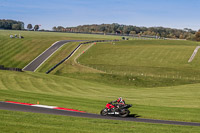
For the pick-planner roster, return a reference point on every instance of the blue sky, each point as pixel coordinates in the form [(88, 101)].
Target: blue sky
[(167, 13)]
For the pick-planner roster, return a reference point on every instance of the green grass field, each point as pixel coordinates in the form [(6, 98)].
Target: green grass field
[(153, 75), (31, 122), (151, 58), (140, 63), (169, 103), (19, 52)]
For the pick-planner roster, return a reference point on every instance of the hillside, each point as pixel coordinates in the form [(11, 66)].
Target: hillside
[(19, 52), (153, 75), (140, 63)]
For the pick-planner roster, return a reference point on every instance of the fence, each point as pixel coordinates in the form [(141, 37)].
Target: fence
[(10, 69), (148, 75)]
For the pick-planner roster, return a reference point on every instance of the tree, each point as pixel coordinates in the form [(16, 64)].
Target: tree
[(11, 24), (114, 27), (197, 36), (102, 28), (132, 32), (126, 29), (54, 28), (36, 27), (120, 29), (16, 27), (60, 28), (29, 26)]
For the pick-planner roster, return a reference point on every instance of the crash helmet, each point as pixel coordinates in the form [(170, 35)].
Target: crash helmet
[(119, 99)]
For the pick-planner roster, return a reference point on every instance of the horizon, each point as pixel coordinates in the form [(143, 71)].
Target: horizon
[(129, 25), (177, 14)]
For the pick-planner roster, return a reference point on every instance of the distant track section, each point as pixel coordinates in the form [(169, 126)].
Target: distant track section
[(38, 61), (66, 58), (194, 54)]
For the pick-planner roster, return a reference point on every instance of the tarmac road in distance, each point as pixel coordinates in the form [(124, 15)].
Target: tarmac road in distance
[(32, 66)]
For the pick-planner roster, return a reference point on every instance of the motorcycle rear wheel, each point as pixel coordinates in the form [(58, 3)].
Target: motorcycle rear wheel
[(124, 113)]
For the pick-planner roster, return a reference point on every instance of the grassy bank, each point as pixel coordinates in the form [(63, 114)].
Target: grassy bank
[(155, 58), (31, 122), (139, 63), (15, 52), (170, 103)]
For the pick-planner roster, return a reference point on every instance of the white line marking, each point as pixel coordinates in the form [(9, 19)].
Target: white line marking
[(79, 48), (75, 59), (194, 54), (44, 106), (82, 52)]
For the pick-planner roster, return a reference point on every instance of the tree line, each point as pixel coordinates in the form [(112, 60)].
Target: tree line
[(114, 28), (197, 36), (131, 30), (16, 25), (35, 28), (11, 24)]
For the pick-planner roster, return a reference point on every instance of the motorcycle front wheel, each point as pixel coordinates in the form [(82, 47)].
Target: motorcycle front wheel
[(104, 112)]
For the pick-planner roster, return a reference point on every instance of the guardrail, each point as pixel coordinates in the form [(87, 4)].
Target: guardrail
[(51, 69), (10, 69)]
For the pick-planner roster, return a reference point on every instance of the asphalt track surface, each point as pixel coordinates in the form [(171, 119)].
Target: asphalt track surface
[(25, 108), (32, 66)]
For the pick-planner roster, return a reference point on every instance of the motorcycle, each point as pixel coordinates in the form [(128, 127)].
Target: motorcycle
[(116, 109)]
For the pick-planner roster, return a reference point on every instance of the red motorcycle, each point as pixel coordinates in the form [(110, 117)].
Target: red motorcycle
[(116, 109)]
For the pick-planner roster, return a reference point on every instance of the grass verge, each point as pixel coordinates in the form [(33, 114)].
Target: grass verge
[(32, 122)]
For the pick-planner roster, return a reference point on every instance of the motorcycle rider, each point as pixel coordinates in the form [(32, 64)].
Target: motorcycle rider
[(120, 102)]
